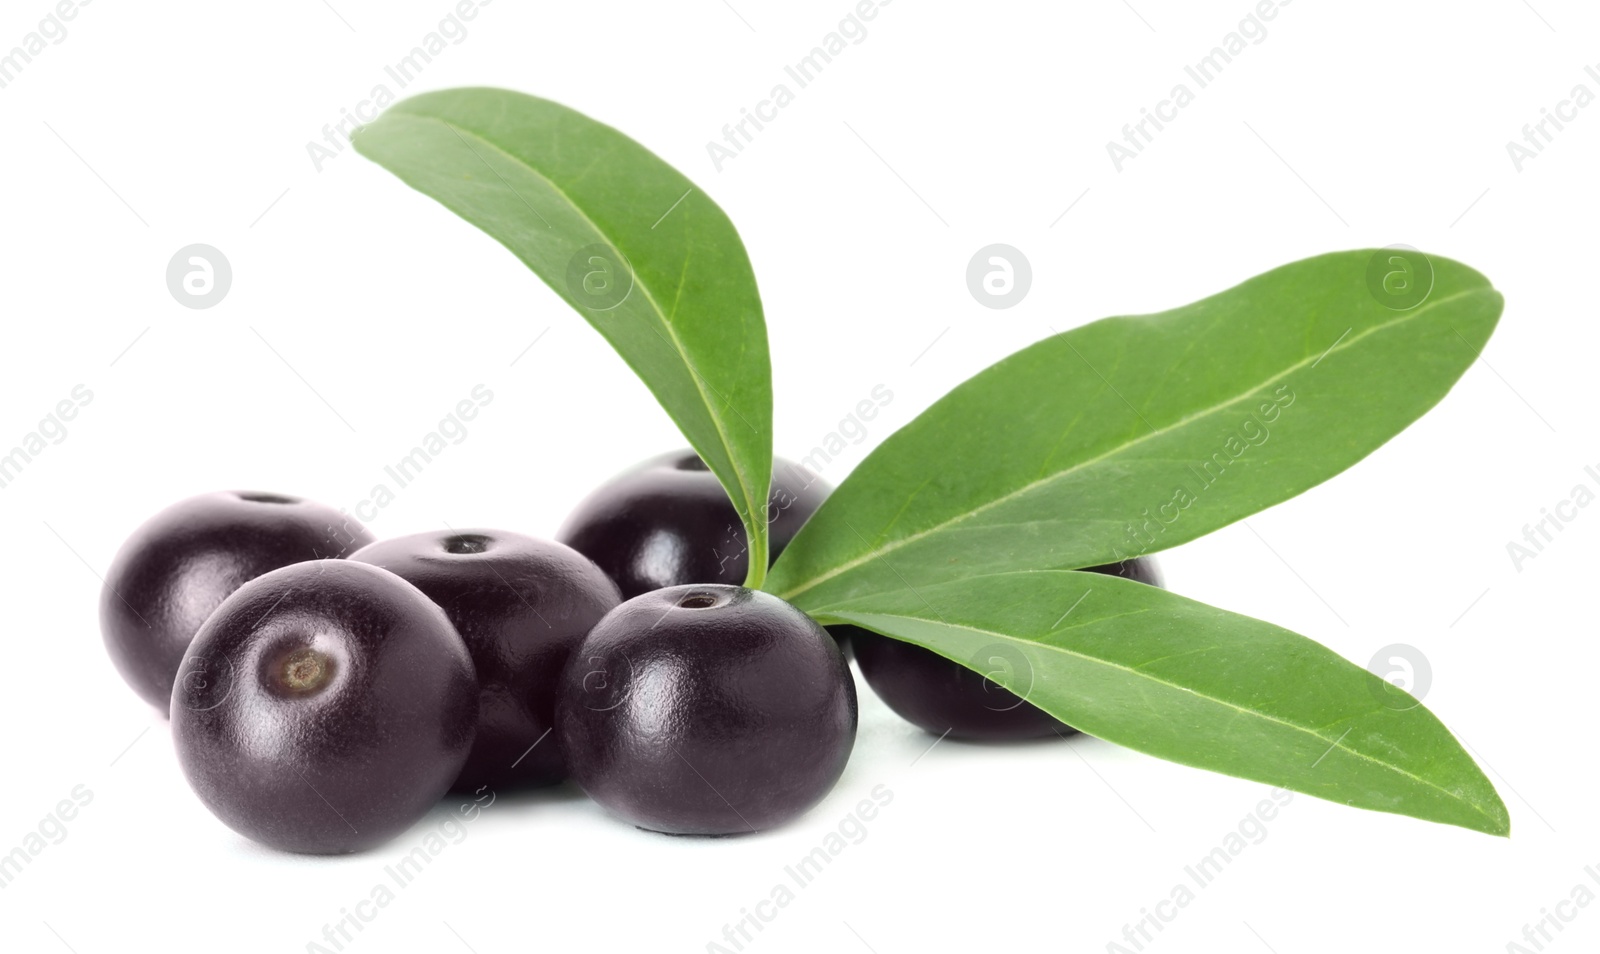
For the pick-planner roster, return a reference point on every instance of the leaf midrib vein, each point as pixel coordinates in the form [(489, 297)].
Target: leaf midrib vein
[(1239, 710), (888, 548), (677, 343)]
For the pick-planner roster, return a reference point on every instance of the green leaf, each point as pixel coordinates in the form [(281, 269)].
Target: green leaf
[(645, 256), (1193, 684), (1134, 434)]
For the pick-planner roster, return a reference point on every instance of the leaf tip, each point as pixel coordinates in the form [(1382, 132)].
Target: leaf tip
[(1493, 816)]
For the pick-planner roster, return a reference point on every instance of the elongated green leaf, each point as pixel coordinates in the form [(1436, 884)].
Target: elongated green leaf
[(1134, 434), (1190, 683), (628, 241)]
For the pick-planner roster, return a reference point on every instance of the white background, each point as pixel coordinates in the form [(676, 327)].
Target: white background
[(361, 313)]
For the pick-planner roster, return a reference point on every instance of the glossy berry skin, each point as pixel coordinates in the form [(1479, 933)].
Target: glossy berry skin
[(324, 707), (941, 695), (668, 522), (521, 605), (183, 562), (707, 710)]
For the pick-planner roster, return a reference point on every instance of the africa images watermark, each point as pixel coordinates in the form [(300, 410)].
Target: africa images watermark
[(51, 31), (851, 31), (451, 31), (1537, 936), (852, 429), (1251, 31), (51, 430), (1552, 520), (1251, 830), (199, 276), (1537, 135), (51, 830), (791, 479), (451, 430), (399, 875), (1144, 534), (999, 276), (1404, 676), (851, 830)]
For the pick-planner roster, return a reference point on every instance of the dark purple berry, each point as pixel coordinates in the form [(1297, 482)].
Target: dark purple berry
[(944, 696), (707, 710), (668, 522), (521, 605), (183, 562), (324, 707)]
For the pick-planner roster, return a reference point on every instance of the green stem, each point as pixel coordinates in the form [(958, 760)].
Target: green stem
[(755, 531)]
